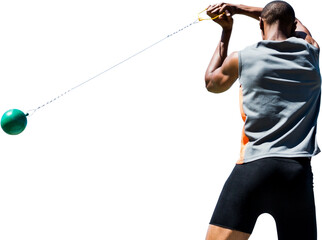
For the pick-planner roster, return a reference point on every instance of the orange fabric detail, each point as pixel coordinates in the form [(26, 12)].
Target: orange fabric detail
[(244, 138), (243, 115)]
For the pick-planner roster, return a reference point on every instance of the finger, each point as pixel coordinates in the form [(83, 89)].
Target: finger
[(216, 5), (222, 17), (211, 7), (223, 8), (227, 9), (216, 10), (213, 11), (220, 4)]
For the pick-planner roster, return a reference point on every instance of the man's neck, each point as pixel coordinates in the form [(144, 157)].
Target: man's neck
[(275, 33)]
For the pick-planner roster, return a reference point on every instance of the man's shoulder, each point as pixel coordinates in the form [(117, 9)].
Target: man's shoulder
[(292, 44)]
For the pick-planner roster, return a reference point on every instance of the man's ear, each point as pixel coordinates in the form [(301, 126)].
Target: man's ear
[(294, 28), (261, 24)]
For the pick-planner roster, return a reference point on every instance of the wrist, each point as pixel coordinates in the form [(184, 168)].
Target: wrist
[(238, 9), (227, 30), (226, 34)]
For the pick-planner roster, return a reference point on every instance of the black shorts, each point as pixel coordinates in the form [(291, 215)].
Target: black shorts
[(281, 187)]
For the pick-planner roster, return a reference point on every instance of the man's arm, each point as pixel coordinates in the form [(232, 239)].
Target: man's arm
[(222, 71), (255, 12), (232, 9), (220, 79), (302, 32)]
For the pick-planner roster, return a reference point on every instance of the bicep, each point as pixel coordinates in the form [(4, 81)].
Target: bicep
[(225, 76)]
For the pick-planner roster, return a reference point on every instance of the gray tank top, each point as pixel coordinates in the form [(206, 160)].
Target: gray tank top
[(280, 89)]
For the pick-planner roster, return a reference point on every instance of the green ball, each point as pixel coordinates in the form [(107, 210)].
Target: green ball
[(13, 122)]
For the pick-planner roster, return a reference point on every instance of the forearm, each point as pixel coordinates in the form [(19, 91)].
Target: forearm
[(220, 54), (254, 12)]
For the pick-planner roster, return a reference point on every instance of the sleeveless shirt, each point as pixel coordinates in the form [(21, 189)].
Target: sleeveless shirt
[(280, 89)]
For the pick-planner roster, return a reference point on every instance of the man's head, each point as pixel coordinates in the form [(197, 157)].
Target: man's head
[(279, 14)]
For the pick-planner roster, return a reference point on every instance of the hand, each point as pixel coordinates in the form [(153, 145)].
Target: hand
[(225, 21), (225, 7)]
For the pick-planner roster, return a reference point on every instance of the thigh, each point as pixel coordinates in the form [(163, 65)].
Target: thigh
[(297, 227), (294, 208), (219, 233), (237, 207)]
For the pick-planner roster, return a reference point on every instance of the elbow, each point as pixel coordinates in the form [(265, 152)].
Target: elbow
[(211, 86)]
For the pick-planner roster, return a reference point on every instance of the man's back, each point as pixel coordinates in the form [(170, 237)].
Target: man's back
[(281, 87)]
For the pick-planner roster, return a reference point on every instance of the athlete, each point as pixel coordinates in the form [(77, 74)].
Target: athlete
[(280, 88)]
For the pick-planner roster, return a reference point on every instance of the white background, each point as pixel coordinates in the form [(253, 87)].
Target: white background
[(141, 152)]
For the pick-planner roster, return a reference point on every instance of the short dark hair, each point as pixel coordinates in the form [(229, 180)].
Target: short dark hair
[(278, 11)]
